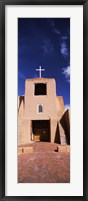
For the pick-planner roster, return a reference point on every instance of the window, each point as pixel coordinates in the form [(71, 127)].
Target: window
[(39, 108), (40, 89)]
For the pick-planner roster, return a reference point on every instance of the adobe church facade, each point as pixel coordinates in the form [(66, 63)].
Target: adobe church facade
[(41, 112)]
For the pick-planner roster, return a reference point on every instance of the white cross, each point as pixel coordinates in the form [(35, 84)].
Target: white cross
[(40, 69)]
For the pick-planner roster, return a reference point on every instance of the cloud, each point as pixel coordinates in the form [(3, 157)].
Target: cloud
[(64, 37), (66, 72), (21, 75), (56, 31), (47, 47), (67, 106), (64, 49)]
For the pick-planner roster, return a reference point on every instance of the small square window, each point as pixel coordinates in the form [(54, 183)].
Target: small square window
[(40, 89)]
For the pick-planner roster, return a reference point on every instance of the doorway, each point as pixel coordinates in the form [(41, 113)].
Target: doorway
[(41, 128)]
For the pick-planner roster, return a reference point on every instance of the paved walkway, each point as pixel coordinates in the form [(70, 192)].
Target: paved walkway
[(44, 165)]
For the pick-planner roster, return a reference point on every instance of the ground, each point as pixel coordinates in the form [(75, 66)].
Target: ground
[(44, 164)]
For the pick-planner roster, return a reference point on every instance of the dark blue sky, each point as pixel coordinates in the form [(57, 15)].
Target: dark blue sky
[(45, 42)]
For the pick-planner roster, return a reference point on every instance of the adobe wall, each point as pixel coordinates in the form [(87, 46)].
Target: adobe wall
[(65, 122), (60, 106), (31, 100), (53, 111), (20, 119), (53, 105)]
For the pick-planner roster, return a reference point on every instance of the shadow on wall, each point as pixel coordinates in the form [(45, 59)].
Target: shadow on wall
[(57, 135), (65, 122), (21, 99)]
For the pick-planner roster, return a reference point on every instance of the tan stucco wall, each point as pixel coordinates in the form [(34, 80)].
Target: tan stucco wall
[(31, 101), (65, 122), (53, 109), (20, 119)]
